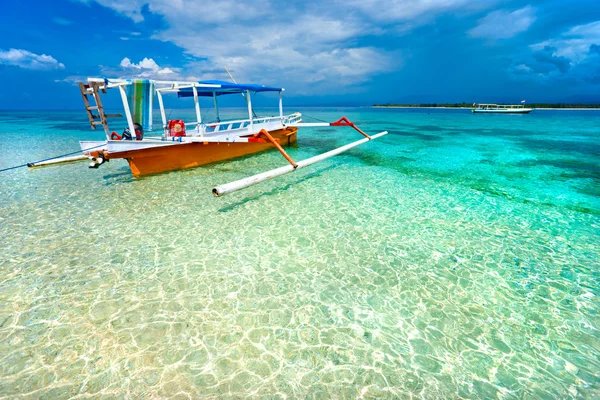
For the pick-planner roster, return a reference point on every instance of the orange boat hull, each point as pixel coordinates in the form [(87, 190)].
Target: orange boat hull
[(171, 158)]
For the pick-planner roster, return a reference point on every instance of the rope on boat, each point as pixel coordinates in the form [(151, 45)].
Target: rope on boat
[(318, 119), (47, 159)]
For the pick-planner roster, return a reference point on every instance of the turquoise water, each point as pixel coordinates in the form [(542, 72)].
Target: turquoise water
[(456, 257)]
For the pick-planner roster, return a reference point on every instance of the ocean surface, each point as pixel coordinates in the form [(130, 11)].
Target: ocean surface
[(456, 257)]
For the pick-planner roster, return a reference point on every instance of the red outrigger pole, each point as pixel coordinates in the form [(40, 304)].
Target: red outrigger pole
[(345, 122)]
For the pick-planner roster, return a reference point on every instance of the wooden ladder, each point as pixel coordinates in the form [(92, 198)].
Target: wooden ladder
[(94, 88)]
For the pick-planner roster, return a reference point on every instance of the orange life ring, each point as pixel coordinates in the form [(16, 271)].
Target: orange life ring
[(115, 136)]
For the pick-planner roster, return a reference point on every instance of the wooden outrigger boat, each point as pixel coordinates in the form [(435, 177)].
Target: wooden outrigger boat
[(183, 145)]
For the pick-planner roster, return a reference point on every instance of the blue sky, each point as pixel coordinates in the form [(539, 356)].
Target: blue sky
[(352, 52)]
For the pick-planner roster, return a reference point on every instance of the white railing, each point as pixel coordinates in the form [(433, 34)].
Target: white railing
[(215, 127), (240, 126), (498, 106), (293, 118)]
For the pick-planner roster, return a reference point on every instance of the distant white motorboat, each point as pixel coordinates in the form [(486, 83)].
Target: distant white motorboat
[(501, 108)]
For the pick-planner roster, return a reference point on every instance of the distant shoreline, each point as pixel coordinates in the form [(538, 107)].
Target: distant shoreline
[(470, 108)]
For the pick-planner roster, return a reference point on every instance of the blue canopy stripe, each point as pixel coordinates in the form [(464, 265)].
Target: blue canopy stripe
[(226, 88)]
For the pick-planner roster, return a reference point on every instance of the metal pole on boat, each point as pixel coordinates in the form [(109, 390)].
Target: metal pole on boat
[(253, 180), (234, 81), (249, 100), (162, 110), (216, 106), (150, 106), (229, 73), (198, 115), (57, 161), (127, 110), (281, 106)]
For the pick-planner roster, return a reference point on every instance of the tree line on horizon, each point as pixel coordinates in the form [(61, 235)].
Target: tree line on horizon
[(470, 105)]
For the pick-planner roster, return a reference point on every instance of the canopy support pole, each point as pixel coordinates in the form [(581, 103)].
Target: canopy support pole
[(281, 106), (249, 100), (127, 111), (216, 106), (198, 115), (162, 111)]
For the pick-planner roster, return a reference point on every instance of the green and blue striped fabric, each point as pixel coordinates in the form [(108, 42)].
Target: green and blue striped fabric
[(140, 95)]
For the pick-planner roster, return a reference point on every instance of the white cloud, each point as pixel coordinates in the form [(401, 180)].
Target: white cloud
[(28, 60), (147, 68), (573, 56), (591, 29), (62, 21), (520, 70), (502, 24), (575, 43), (283, 43), (404, 10), (72, 79), (131, 8), (208, 11), (215, 11), (280, 50), (305, 50), (523, 68)]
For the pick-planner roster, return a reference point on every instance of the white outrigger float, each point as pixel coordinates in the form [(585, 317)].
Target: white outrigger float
[(183, 145), (501, 109)]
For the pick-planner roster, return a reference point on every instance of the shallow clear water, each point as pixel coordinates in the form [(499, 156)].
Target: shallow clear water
[(457, 256)]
